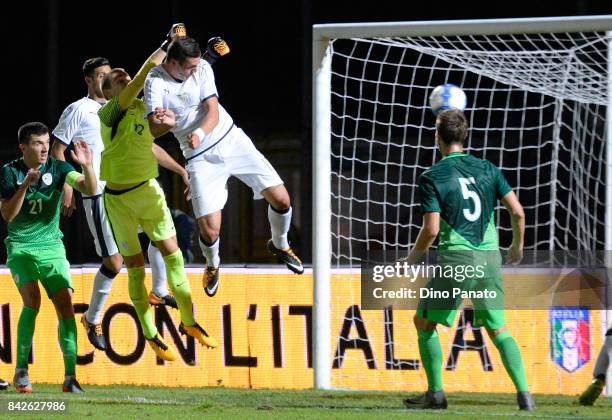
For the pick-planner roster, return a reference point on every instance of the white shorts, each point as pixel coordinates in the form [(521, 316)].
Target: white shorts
[(235, 155), (99, 226)]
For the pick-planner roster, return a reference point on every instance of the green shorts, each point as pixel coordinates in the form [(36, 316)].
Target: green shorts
[(144, 205), (49, 265), (443, 296)]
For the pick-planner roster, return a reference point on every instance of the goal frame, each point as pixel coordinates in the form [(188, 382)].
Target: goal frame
[(322, 35)]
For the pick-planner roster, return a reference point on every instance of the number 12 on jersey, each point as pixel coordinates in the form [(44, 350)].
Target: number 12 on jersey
[(468, 194)]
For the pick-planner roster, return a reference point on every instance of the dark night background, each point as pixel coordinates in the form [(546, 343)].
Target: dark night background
[(264, 83)]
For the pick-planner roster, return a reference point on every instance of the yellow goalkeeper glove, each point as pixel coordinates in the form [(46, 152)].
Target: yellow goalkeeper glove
[(216, 48), (178, 30)]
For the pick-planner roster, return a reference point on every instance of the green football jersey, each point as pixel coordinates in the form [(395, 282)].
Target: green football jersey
[(464, 190), (36, 226)]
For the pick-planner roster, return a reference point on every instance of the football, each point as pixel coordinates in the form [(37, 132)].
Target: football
[(447, 96)]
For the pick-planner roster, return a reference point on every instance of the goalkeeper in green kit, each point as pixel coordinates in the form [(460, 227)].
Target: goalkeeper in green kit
[(31, 189)]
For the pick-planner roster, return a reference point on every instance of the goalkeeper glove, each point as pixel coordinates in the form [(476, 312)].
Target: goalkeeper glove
[(216, 48), (178, 30)]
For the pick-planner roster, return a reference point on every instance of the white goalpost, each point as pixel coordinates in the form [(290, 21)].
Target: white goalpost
[(538, 107)]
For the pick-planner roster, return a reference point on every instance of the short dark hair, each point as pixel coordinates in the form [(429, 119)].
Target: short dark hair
[(32, 128), (91, 64), (183, 48), (106, 82), (452, 126)]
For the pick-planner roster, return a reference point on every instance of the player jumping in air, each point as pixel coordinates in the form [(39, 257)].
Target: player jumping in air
[(600, 370), (215, 149), (133, 197)]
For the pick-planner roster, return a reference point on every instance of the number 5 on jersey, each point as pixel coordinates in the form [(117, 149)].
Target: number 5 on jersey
[(468, 194)]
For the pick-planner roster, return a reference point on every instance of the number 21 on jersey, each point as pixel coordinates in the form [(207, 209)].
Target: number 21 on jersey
[(35, 206), (468, 194)]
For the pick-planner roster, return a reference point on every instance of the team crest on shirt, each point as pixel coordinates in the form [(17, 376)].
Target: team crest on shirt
[(47, 179), (569, 337)]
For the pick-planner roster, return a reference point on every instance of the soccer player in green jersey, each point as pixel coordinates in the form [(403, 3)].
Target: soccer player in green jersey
[(458, 197), (133, 197), (31, 189)]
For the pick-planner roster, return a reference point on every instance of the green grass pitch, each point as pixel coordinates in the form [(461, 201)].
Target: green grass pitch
[(180, 403)]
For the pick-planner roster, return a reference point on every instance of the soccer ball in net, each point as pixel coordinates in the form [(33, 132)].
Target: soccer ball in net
[(447, 96)]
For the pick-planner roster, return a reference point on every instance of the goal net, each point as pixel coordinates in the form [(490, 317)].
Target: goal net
[(537, 106)]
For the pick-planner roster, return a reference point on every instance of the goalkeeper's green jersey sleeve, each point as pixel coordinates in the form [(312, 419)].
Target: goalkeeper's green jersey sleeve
[(128, 155), (36, 226), (464, 190)]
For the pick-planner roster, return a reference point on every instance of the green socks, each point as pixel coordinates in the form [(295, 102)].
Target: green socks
[(511, 357), (140, 300), (67, 340), (68, 343), (25, 333), (431, 358), (179, 285)]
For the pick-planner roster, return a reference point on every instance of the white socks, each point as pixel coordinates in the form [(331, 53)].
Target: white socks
[(279, 225), (158, 271), (101, 288), (211, 253), (603, 360)]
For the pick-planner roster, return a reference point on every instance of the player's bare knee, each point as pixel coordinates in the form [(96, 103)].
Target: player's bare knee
[(495, 332), (35, 304), (416, 321), (32, 302), (167, 246), (66, 312), (62, 300), (283, 202), (209, 235), (209, 231), (113, 262), (134, 261), (30, 294), (278, 198), (423, 324)]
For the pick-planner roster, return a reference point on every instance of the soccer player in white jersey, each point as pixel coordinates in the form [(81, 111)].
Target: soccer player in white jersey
[(80, 121), (600, 371), (215, 149)]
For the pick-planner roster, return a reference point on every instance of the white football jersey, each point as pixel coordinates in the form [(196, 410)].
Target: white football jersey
[(80, 121), (184, 98)]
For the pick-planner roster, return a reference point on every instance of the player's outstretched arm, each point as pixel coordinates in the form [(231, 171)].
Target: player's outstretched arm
[(166, 161), (11, 206), (517, 215), (133, 88), (81, 154)]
